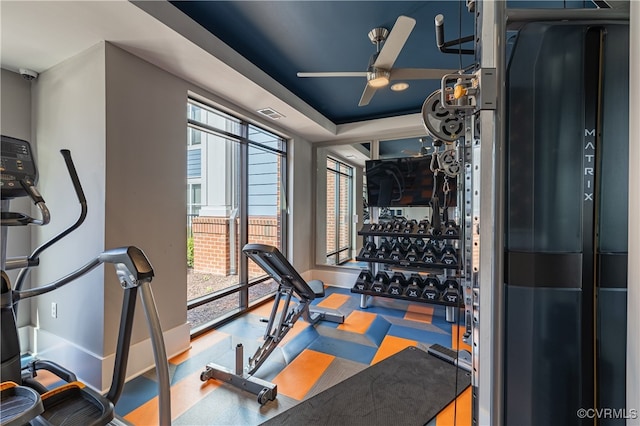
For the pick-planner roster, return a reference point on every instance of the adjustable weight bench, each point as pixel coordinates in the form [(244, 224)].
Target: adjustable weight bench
[(273, 262)]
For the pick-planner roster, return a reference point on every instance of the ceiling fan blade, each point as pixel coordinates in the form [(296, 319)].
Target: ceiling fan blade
[(367, 94), (333, 74), (394, 43), (419, 73)]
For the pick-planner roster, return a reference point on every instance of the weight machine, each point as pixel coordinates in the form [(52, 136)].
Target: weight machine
[(508, 292)]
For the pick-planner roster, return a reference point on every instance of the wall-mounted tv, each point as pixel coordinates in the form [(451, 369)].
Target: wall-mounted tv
[(404, 182)]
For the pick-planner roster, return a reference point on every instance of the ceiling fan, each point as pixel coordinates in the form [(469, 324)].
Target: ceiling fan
[(380, 70)]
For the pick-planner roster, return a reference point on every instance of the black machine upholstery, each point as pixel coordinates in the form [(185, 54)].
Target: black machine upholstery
[(273, 262)]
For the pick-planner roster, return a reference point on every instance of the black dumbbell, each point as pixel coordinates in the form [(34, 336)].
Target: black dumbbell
[(397, 284), (409, 225), (452, 291), (405, 242), (431, 293), (381, 282), (448, 255), (423, 226), (398, 252), (432, 288), (368, 251), (420, 243), (365, 278), (431, 254), (414, 254), (388, 227), (451, 229), (415, 286), (384, 250)]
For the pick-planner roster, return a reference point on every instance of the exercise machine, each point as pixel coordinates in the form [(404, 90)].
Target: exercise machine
[(24, 400), (281, 320)]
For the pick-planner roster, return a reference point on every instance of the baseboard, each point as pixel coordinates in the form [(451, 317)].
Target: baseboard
[(94, 370)]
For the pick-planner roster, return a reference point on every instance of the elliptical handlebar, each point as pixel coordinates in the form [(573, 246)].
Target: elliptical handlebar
[(75, 180), (132, 267)]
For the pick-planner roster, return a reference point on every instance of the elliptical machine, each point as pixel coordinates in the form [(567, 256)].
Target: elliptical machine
[(24, 400)]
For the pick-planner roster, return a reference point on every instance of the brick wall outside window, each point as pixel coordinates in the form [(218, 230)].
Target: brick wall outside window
[(211, 251)]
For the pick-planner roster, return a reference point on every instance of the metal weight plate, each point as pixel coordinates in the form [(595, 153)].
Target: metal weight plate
[(449, 164), (441, 123)]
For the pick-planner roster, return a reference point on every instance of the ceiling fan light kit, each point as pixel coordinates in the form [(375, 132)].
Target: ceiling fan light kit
[(399, 87), (380, 70), (377, 77)]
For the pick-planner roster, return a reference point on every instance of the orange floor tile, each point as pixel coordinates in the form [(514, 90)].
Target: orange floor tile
[(357, 322), (184, 395), (457, 413), (302, 373), (334, 301), (391, 345), (420, 313)]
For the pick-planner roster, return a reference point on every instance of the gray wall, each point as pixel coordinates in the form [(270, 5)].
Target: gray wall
[(124, 121), (301, 233), (145, 184), (69, 112)]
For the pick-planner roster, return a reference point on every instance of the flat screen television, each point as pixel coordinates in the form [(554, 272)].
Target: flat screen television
[(404, 182)]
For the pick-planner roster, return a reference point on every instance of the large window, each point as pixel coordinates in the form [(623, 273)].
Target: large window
[(339, 211), (235, 195)]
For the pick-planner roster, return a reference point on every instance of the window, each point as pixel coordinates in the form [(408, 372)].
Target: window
[(236, 195), (339, 211)]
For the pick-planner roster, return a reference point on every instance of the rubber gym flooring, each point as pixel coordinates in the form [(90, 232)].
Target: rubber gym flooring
[(309, 360)]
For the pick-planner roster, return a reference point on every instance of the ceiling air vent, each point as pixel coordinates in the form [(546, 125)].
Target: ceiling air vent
[(271, 113)]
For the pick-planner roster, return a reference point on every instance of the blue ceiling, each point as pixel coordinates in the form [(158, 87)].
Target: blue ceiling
[(285, 37)]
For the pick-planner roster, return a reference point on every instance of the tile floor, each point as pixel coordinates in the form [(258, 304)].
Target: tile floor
[(309, 360)]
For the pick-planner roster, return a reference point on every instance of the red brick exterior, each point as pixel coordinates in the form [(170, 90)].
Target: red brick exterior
[(211, 251)]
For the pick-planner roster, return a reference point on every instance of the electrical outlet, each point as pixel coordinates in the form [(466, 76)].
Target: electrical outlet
[(54, 310)]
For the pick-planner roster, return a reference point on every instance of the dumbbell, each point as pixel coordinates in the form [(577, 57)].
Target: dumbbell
[(397, 284), (423, 226), (388, 227), (452, 291), (415, 286), (364, 280), (451, 229), (409, 225), (431, 288), (448, 255), (398, 225), (405, 242), (374, 227), (398, 252), (368, 251), (420, 243), (414, 253), (431, 254), (381, 282), (384, 250)]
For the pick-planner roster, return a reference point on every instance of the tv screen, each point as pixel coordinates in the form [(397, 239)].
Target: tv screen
[(403, 182)]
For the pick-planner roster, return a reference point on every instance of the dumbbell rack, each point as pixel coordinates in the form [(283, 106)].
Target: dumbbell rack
[(448, 292)]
